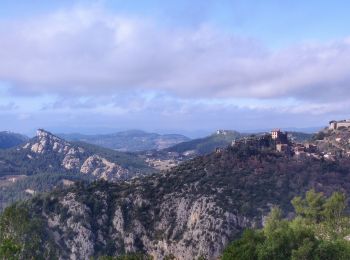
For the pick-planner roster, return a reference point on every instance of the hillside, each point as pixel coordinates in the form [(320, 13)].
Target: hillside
[(334, 142), (192, 210), (206, 145), (9, 140), (130, 141), (300, 136), (51, 159)]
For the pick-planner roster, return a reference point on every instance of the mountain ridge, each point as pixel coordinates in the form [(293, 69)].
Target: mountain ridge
[(192, 210), (131, 140), (50, 156), (9, 139)]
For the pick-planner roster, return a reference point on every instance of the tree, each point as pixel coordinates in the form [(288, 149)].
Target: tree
[(310, 208), (317, 232), (9, 250)]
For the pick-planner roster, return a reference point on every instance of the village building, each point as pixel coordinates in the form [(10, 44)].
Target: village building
[(275, 133), (334, 125), (311, 148), (279, 137), (282, 148)]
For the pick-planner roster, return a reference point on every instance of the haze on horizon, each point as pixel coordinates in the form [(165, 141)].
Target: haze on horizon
[(172, 66)]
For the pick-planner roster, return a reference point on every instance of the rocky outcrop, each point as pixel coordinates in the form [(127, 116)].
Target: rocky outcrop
[(184, 227), (103, 169), (74, 158)]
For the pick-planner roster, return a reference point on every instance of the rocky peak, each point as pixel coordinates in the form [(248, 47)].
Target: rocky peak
[(73, 157), (42, 134), (46, 141)]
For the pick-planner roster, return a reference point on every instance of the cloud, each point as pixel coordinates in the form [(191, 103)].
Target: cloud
[(90, 52), (11, 106)]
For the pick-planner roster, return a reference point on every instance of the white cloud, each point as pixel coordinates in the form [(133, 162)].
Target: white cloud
[(92, 52)]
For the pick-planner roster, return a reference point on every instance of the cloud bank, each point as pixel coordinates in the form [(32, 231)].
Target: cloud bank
[(91, 52)]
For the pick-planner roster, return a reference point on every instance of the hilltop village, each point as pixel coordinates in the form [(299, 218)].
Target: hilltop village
[(280, 142), (330, 143)]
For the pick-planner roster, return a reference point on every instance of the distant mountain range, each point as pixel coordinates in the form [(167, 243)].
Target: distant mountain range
[(130, 141), (9, 139)]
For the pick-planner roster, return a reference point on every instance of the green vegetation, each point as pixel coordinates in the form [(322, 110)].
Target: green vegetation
[(127, 257), (39, 183), (208, 144), (318, 231), (9, 140), (22, 236)]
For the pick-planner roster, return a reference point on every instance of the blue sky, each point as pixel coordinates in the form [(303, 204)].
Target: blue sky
[(172, 66)]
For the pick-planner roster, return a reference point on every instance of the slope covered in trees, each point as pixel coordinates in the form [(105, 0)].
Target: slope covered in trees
[(191, 211), (9, 140), (319, 230)]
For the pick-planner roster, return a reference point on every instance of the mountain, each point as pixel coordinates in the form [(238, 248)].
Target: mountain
[(9, 139), (168, 158), (46, 156), (131, 141), (201, 146), (190, 211)]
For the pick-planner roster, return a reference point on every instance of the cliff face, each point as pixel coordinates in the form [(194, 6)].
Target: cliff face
[(181, 226), (74, 157), (193, 210)]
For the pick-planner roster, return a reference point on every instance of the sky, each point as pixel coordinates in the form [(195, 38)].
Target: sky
[(179, 66)]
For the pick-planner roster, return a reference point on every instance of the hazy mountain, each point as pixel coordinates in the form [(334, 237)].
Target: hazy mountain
[(201, 146), (190, 211), (132, 141), (8, 139)]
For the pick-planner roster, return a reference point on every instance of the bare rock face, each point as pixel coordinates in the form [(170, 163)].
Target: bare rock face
[(74, 158), (81, 247), (47, 142), (102, 168), (184, 227)]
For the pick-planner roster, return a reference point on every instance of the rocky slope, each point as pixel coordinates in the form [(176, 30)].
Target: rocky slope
[(193, 210), (202, 146), (335, 142), (130, 141), (77, 157), (47, 155)]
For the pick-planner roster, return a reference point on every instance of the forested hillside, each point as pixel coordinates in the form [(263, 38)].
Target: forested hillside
[(8, 139), (194, 210)]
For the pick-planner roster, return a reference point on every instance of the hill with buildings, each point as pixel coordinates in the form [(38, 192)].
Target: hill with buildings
[(190, 211), (334, 141), (129, 141)]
